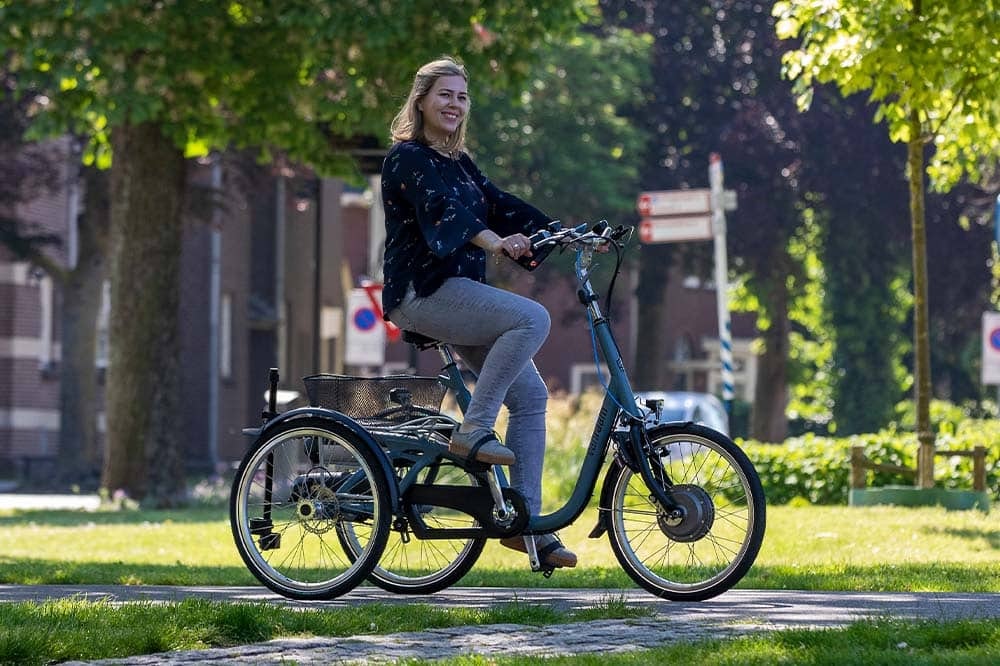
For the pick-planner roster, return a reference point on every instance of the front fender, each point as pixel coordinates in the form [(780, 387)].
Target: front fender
[(619, 462), (604, 506), (338, 423)]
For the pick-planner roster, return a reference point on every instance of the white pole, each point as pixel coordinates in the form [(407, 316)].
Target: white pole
[(214, 299), (721, 279), (376, 229)]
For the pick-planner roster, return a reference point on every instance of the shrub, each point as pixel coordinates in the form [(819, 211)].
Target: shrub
[(817, 468), (809, 468)]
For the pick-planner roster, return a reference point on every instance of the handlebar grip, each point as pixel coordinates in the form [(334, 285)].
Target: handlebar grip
[(538, 254)]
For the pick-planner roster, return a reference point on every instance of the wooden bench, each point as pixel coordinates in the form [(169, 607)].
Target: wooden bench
[(860, 464)]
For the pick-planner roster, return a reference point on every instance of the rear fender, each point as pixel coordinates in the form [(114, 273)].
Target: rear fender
[(338, 423)]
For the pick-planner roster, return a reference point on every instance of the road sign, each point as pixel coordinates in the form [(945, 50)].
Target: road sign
[(374, 291), (365, 339), (991, 348), (671, 216), (674, 202), (676, 228)]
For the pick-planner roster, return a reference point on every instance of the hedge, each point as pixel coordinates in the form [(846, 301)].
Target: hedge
[(817, 469)]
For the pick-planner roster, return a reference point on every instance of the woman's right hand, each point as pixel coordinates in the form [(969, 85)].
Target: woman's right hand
[(514, 246)]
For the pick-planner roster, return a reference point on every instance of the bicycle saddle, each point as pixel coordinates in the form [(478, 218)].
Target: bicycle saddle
[(421, 341)]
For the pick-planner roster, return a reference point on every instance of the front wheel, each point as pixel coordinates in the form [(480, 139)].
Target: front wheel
[(293, 493), (709, 543)]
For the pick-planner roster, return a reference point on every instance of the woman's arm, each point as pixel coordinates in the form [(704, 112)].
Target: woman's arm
[(507, 213), (515, 245)]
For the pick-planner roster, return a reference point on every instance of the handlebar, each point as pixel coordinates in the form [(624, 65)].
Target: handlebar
[(555, 235)]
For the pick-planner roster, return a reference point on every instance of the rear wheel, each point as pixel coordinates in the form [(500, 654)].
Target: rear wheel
[(293, 493), (410, 565), (709, 543)]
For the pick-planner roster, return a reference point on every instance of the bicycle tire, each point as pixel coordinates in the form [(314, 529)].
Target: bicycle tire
[(709, 549), (295, 486), (410, 565)]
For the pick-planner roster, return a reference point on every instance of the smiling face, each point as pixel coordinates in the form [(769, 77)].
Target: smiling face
[(444, 108)]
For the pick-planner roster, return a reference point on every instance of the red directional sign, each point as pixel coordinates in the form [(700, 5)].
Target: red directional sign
[(675, 229), (675, 215), (675, 202)]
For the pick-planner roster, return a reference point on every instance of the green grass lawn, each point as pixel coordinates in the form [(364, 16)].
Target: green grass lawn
[(808, 548)]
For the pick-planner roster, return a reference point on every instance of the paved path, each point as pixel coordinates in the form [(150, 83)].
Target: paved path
[(733, 613)]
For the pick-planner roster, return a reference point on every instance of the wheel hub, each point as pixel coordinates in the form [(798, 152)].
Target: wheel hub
[(693, 518), (319, 509)]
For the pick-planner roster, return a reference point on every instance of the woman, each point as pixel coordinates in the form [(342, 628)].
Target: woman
[(442, 218)]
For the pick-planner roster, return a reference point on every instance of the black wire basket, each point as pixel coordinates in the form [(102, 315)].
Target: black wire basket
[(389, 399)]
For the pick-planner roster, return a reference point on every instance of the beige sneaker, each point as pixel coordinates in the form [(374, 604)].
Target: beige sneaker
[(550, 550), (481, 445)]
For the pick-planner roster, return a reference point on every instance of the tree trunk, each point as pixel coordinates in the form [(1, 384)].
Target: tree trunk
[(768, 422), (921, 328), (79, 455), (147, 190), (651, 356)]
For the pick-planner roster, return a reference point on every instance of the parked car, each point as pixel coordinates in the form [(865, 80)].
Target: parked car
[(703, 408)]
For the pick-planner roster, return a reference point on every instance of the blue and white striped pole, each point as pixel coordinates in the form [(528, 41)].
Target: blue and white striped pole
[(996, 222), (721, 279)]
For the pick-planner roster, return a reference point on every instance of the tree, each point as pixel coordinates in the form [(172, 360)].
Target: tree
[(933, 78), (717, 87), (853, 175), (563, 143), (25, 171), (152, 85)]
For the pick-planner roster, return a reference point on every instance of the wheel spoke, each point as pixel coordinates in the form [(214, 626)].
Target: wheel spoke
[(706, 543), (289, 500)]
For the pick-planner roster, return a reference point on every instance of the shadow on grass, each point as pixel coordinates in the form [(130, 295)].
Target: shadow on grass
[(930, 577), (992, 537), (27, 571), (74, 518), (880, 577)]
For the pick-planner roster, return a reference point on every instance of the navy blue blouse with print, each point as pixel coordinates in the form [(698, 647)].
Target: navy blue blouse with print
[(434, 206)]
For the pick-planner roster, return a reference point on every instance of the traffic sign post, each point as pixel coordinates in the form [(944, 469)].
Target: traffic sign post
[(721, 279), (671, 216), (676, 229)]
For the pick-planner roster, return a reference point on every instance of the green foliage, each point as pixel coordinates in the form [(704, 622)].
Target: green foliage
[(562, 143), (810, 347), (940, 59), (810, 467), (817, 469), (932, 78), (300, 76)]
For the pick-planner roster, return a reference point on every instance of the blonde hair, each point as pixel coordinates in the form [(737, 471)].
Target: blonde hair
[(409, 122)]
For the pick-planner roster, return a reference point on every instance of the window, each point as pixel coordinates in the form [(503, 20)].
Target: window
[(226, 336), (103, 326)]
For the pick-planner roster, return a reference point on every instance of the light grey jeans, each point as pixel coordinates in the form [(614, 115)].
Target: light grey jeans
[(496, 333)]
